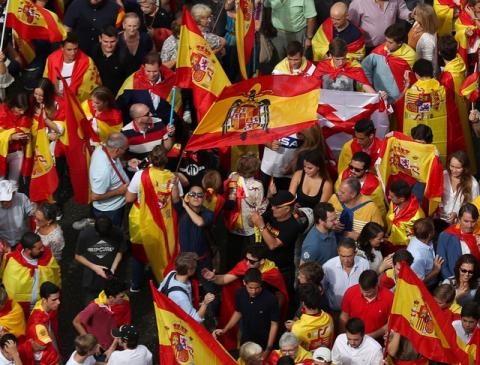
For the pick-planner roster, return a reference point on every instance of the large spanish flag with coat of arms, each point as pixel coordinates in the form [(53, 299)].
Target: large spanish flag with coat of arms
[(31, 21), (181, 339), (197, 66), (418, 317), (258, 110)]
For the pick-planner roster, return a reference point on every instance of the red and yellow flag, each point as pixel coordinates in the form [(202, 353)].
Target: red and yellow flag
[(153, 222), (76, 145), (25, 48), (31, 21), (412, 161), (417, 316), (469, 88), (44, 175), (108, 122), (463, 23), (197, 66), (258, 110), (181, 339), (244, 33)]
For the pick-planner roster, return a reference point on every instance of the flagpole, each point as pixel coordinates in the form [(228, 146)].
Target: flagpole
[(172, 108), (4, 25)]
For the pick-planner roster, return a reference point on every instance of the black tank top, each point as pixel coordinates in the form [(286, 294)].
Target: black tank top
[(305, 200)]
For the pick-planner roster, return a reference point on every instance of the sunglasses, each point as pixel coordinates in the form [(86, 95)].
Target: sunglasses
[(193, 194), (465, 271), (252, 262), (356, 169)]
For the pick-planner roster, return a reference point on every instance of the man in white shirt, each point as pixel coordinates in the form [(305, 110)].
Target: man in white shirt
[(9, 352), (468, 322), (342, 272), (131, 352), (356, 348)]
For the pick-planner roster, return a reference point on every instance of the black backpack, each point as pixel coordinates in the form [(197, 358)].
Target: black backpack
[(166, 289)]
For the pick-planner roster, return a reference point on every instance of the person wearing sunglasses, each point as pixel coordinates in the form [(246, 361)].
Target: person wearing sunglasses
[(465, 280), (359, 167)]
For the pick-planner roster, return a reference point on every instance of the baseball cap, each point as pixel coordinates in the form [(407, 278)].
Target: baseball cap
[(126, 332), (282, 198), (39, 333), (322, 354), (6, 190)]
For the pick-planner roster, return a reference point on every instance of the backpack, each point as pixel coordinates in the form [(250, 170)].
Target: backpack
[(166, 289)]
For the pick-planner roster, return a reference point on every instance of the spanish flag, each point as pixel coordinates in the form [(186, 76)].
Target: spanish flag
[(153, 222), (444, 10), (12, 318), (258, 110), (25, 48), (59, 7), (44, 175), (463, 23), (76, 145), (244, 33), (197, 66), (417, 316), (469, 88), (324, 35), (31, 21), (181, 339), (107, 122), (401, 157)]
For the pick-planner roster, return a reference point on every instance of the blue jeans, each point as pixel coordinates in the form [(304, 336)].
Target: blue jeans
[(115, 215)]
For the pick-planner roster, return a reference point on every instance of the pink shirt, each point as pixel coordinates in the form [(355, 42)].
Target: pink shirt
[(99, 320), (366, 14)]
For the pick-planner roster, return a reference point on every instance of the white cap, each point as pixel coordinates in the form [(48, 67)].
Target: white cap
[(6, 190), (322, 354)]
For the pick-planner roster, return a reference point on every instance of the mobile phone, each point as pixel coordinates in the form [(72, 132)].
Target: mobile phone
[(108, 273), (144, 163)]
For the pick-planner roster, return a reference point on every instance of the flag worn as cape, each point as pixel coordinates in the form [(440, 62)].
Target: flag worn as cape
[(12, 318), (44, 178), (402, 156), (181, 339), (107, 121), (270, 275), (244, 33), (400, 224), (85, 76), (258, 110), (121, 312), (324, 35), (351, 69), (417, 316), (444, 10), (463, 23), (307, 68), (468, 238), (428, 102), (31, 21), (153, 222), (197, 66), (76, 145)]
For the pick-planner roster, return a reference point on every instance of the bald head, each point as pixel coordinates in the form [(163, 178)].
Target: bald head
[(339, 15), (138, 110)]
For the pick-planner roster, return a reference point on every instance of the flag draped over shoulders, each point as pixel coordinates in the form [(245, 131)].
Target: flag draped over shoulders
[(445, 10), (418, 317), (85, 76), (351, 69), (197, 66), (153, 222), (107, 122), (244, 33), (181, 339), (463, 23), (258, 110)]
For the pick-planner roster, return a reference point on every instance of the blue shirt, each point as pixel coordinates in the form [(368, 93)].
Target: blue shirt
[(423, 257), (318, 246), (192, 237)]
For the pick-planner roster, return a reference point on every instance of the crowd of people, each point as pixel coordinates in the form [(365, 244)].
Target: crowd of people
[(287, 252)]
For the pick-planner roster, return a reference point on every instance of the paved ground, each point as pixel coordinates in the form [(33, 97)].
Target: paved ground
[(142, 308)]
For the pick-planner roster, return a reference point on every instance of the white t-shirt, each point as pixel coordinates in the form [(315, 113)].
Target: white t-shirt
[(88, 361), (368, 353), (4, 360), (134, 186), (138, 356), (67, 71)]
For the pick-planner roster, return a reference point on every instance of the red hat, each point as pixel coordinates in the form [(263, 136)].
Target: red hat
[(39, 333)]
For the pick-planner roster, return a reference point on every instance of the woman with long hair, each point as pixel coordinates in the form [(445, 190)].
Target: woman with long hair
[(369, 245), (16, 133), (312, 184), (101, 113), (423, 35), (459, 186), (465, 280)]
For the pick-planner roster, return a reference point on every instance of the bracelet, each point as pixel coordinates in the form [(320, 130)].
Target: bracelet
[(261, 229)]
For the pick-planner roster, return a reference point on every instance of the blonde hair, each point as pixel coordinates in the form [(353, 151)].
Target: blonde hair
[(427, 18), (249, 349)]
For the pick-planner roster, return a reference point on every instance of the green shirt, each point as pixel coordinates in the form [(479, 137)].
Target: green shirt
[(291, 15)]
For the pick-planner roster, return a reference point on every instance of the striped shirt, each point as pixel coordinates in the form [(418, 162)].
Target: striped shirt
[(140, 143)]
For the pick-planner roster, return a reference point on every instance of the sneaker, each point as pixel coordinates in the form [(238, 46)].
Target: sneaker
[(83, 223), (134, 290)]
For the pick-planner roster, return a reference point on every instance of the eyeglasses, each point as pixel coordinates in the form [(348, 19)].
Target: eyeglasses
[(252, 262), (356, 169), (193, 194), (465, 271), (148, 114)]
